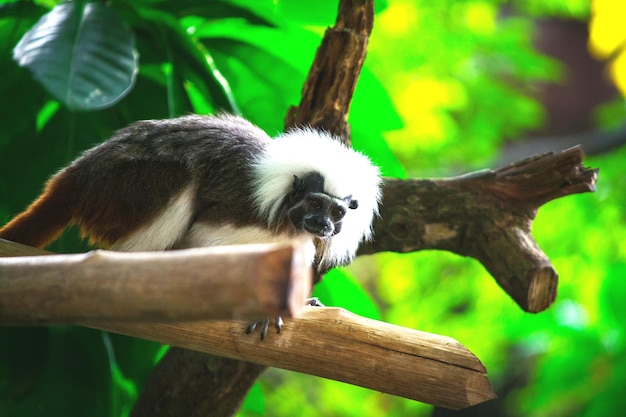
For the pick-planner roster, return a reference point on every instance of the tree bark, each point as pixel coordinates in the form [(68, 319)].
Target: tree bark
[(193, 384), (329, 87)]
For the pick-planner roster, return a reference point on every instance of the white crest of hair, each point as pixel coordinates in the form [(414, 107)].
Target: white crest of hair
[(346, 173)]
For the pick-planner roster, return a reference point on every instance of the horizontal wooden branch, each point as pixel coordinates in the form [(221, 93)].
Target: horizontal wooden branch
[(334, 343), (8, 248), (486, 215), (226, 282)]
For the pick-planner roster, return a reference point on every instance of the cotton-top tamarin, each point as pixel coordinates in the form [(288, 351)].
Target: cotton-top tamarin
[(210, 180)]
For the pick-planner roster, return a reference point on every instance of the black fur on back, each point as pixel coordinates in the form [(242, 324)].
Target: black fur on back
[(147, 163)]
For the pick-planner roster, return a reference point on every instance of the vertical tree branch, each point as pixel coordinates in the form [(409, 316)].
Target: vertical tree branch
[(191, 384), (328, 90)]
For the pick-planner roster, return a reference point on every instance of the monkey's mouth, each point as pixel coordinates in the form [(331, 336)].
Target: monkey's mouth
[(319, 231)]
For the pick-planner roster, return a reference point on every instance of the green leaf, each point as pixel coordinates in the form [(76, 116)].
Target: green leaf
[(324, 13), (83, 54), (68, 376), (614, 293), (189, 57), (257, 12), (372, 143), (254, 403), (340, 289)]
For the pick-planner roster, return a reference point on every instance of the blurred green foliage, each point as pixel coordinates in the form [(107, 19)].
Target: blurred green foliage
[(444, 85)]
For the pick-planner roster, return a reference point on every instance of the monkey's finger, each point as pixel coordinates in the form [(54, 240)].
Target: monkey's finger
[(251, 327), (265, 324), (278, 324)]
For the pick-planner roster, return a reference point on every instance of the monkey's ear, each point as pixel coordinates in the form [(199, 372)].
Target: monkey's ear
[(352, 204), (298, 184)]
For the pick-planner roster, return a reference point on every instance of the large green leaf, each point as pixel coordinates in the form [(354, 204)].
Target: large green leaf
[(82, 53), (188, 58)]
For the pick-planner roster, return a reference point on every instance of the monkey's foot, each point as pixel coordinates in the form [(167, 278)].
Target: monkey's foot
[(278, 322), (265, 324)]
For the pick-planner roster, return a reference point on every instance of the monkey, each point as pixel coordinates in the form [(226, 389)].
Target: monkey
[(196, 181)]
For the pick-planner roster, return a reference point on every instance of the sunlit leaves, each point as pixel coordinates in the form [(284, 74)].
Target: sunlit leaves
[(568, 9), (462, 75), (608, 37)]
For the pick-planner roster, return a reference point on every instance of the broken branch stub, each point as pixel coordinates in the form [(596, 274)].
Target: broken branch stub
[(486, 215)]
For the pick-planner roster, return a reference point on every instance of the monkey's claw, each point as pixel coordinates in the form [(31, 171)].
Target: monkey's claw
[(278, 321), (265, 324)]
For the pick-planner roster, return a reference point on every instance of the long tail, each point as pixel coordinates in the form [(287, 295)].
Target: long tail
[(46, 218)]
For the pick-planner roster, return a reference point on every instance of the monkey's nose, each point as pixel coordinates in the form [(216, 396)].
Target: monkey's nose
[(319, 227)]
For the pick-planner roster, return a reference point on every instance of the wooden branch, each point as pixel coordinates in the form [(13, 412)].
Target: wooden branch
[(8, 248), (246, 281), (329, 87), (486, 215), (334, 343)]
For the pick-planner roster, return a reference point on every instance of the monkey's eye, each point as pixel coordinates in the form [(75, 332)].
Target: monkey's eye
[(337, 213), (315, 204)]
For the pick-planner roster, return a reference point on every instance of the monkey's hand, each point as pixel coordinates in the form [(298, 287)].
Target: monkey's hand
[(278, 322)]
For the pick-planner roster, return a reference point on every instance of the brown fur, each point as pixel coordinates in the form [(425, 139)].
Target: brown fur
[(46, 217), (106, 209), (111, 208)]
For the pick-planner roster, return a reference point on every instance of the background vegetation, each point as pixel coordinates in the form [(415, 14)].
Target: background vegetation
[(449, 86)]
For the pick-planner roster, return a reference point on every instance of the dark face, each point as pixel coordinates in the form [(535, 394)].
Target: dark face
[(313, 210)]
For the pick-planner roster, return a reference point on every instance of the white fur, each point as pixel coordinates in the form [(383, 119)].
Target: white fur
[(164, 231), (205, 234), (345, 171)]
